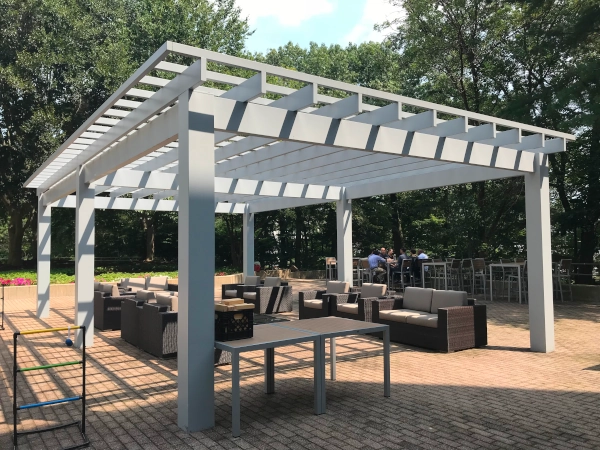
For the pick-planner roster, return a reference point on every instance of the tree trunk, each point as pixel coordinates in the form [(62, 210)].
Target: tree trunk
[(298, 240), (150, 234), (397, 236), (15, 239)]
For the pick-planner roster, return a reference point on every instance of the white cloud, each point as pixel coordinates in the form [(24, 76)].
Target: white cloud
[(286, 12), (375, 12)]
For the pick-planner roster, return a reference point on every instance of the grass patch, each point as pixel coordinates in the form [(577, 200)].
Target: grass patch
[(66, 276)]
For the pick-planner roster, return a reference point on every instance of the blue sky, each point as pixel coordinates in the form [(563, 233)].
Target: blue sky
[(324, 21)]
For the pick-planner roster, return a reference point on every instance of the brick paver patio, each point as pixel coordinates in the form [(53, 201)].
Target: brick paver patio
[(502, 396)]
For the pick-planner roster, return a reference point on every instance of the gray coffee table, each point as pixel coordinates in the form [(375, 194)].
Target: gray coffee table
[(267, 337)]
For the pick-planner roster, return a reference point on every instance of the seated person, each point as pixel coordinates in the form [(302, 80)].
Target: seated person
[(379, 273)]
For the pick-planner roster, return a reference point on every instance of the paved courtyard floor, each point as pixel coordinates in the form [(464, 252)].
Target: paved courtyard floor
[(501, 396)]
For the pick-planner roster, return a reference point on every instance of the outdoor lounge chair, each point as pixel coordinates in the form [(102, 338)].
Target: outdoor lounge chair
[(358, 306), (132, 284), (313, 304), (157, 284), (440, 320), (107, 307), (269, 298), (131, 311), (231, 290)]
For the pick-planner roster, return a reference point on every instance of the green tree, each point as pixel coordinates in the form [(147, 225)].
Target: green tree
[(61, 59)]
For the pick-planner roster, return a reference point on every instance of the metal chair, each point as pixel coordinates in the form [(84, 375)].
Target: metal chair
[(563, 271), (406, 274), (455, 283), (468, 276), (366, 274), (479, 274), (330, 267), (515, 278)]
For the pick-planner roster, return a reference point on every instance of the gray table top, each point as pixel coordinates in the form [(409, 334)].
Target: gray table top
[(327, 326), (266, 336)]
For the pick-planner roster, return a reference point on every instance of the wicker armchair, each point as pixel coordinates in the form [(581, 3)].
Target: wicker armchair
[(107, 306), (158, 330), (131, 312), (313, 304), (358, 306), (270, 299), (236, 290)]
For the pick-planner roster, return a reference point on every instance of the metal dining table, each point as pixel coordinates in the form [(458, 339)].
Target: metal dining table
[(267, 337), (518, 266)]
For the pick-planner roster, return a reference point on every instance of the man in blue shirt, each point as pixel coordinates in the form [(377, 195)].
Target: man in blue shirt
[(378, 272)]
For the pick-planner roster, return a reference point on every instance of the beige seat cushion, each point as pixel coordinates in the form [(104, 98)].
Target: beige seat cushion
[(417, 299), (249, 295), (350, 308), (399, 315), (231, 292), (145, 295), (445, 299), (338, 287), (252, 281), (314, 304), (165, 298), (157, 284), (133, 284), (424, 320), (96, 285), (373, 290), (272, 281)]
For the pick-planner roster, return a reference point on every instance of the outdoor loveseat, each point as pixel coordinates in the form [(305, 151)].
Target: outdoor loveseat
[(152, 327), (440, 320)]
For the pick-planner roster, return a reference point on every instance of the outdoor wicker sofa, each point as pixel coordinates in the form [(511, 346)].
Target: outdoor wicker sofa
[(270, 297), (231, 290), (359, 303), (314, 304), (440, 320)]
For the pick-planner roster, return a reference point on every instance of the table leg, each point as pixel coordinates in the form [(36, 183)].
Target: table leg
[(519, 278), (319, 350), (491, 285), (235, 394), (269, 370), (332, 358), (445, 278), (386, 362)]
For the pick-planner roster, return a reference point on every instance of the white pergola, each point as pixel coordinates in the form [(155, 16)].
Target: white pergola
[(175, 144)]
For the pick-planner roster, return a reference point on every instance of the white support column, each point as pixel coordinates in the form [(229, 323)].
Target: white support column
[(84, 258), (344, 238), (248, 242), (539, 260), (43, 259), (195, 357)]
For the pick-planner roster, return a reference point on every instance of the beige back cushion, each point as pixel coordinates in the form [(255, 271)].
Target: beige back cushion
[(135, 284), (338, 287), (110, 289), (372, 290), (157, 283), (145, 295), (272, 281), (96, 285), (417, 299), (167, 299), (252, 281), (445, 299)]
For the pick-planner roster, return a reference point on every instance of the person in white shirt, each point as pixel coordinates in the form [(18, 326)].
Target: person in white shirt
[(421, 254)]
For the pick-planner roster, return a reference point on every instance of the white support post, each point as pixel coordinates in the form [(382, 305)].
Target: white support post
[(196, 335), (344, 238), (43, 259), (539, 259), (248, 239), (84, 258)]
